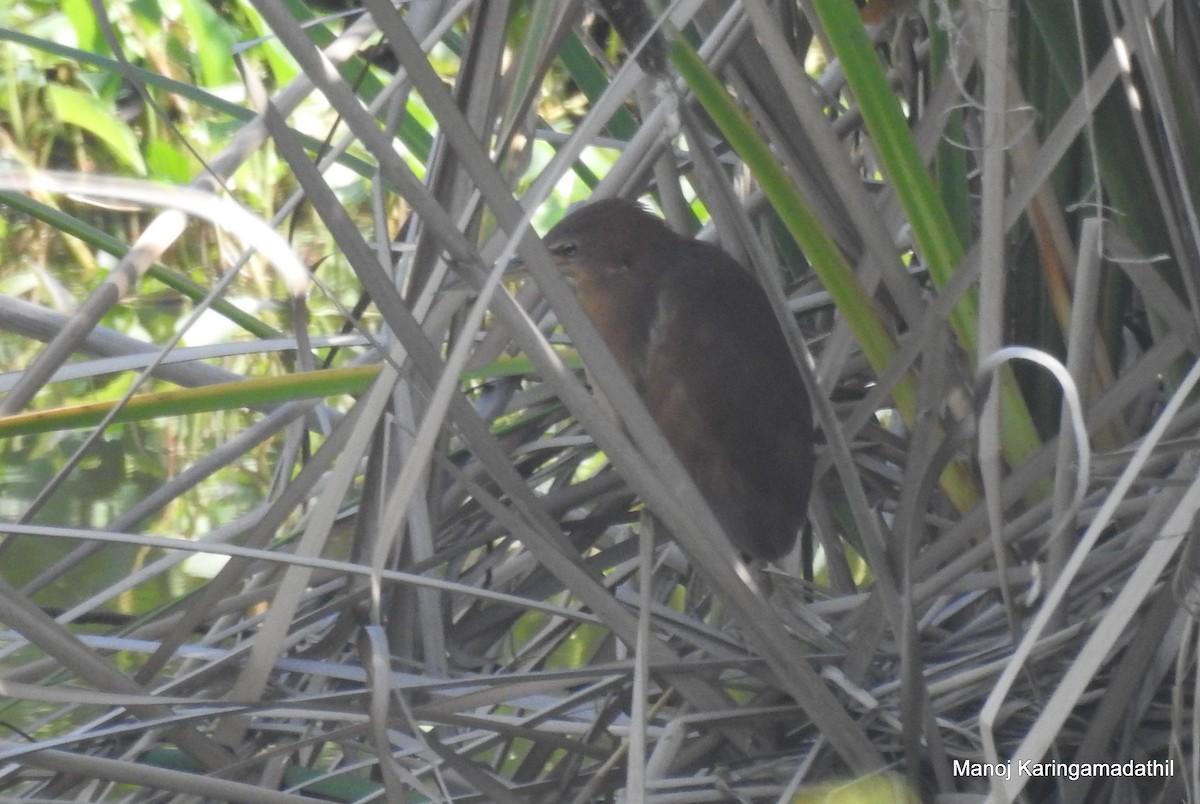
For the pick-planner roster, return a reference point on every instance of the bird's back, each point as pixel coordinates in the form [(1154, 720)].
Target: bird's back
[(721, 383)]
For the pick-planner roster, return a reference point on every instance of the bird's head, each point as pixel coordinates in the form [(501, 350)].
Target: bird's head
[(607, 240)]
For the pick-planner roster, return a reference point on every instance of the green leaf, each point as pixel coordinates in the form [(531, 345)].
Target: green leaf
[(221, 396), (211, 43), (167, 163), (933, 228), (94, 116), (83, 19)]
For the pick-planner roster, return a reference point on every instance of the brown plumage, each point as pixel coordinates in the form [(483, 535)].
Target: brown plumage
[(697, 337)]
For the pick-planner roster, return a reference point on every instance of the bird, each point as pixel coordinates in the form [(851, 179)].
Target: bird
[(697, 337)]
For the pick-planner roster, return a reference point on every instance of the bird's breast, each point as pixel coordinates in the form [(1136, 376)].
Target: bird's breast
[(623, 318)]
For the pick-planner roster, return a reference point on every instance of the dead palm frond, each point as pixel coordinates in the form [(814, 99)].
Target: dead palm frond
[(440, 589)]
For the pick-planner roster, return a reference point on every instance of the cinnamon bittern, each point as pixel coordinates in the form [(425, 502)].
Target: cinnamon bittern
[(698, 339)]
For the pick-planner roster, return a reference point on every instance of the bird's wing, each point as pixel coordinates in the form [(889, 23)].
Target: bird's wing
[(726, 392)]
